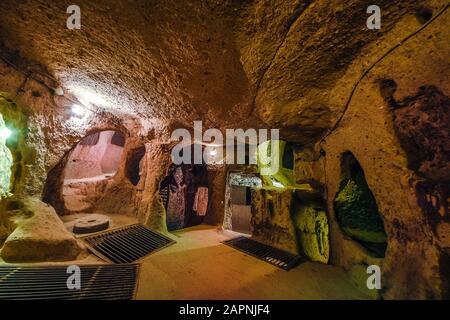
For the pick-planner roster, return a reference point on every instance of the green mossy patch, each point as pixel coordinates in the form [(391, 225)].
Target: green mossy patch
[(16, 119), (311, 223), (276, 167), (357, 211), (368, 236)]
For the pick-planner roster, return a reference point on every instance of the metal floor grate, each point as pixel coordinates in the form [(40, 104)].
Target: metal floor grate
[(109, 282), (276, 257), (126, 244)]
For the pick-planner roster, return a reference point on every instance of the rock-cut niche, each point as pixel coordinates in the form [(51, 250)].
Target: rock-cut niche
[(356, 209), (134, 165), (80, 179)]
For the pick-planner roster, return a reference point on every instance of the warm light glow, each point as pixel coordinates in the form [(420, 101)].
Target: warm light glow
[(213, 152), (88, 96), (5, 133), (78, 110), (277, 184), (58, 91)]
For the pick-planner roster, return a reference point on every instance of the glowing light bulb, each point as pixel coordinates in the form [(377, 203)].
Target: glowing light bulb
[(5, 133), (78, 110), (213, 152)]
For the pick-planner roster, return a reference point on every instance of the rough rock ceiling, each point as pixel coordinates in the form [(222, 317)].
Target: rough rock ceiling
[(230, 63)]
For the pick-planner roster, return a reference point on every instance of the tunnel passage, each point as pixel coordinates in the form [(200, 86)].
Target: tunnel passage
[(80, 179), (90, 165), (185, 192), (356, 209), (134, 165), (241, 201), (238, 199), (96, 156)]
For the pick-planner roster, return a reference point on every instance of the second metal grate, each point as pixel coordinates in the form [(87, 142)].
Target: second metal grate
[(50, 282), (126, 244), (277, 257)]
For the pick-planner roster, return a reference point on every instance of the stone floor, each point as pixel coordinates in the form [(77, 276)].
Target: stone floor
[(199, 266)]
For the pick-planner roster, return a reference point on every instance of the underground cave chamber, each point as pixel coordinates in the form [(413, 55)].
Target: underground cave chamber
[(82, 176), (274, 207), (357, 174), (89, 166)]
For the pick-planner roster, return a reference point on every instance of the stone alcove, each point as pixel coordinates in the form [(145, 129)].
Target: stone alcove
[(356, 208), (133, 168), (82, 176)]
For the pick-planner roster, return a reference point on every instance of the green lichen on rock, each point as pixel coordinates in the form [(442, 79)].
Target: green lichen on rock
[(6, 163), (272, 156), (312, 231), (357, 211)]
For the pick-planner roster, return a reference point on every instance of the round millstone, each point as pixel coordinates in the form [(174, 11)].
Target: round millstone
[(91, 223)]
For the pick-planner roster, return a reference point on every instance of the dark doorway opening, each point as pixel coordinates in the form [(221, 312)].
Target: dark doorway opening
[(241, 204), (239, 195), (134, 165), (185, 193)]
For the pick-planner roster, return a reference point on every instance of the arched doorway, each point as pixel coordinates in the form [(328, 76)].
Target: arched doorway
[(185, 193), (356, 209), (80, 179)]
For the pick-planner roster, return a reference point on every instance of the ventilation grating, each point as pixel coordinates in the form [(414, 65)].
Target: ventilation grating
[(276, 257), (126, 244), (108, 282)]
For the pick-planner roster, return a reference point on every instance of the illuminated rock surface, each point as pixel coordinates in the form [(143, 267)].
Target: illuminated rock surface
[(309, 68), (39, 235)]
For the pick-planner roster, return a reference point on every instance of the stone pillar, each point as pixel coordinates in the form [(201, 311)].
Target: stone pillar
[(217, 180), (157, 161)]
